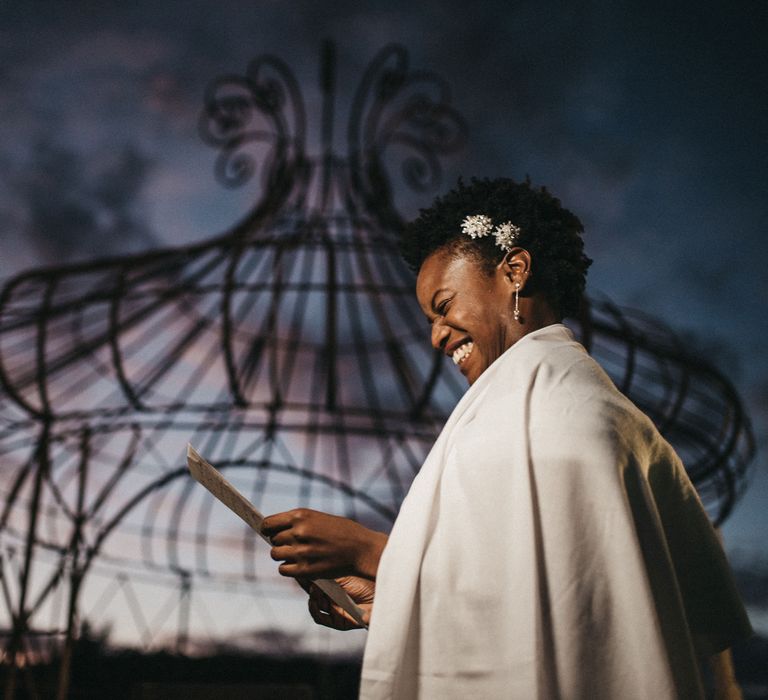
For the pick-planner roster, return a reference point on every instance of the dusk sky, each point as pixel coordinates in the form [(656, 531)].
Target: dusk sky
[(648, 120)]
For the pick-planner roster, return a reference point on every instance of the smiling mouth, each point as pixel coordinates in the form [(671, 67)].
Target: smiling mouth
[(461, 353)]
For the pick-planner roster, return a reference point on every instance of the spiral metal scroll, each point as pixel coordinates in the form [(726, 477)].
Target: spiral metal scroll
[(290, 352), (257, 121), (396, 109)]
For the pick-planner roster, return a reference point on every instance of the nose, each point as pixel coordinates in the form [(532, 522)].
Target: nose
[(440, 333)]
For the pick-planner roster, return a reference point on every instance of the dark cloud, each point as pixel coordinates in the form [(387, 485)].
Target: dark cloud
[(752, 582), (79, 209)]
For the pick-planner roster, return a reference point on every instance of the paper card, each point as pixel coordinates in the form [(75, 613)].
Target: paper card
[(214, 481)]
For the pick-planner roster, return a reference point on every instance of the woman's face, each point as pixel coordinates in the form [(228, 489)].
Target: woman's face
[(470, 311)]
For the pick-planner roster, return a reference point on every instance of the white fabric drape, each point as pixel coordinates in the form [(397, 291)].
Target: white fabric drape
[(550, 547)]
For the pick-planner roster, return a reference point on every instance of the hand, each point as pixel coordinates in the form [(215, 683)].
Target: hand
[(325, 612), (318, 545), (726, 687)]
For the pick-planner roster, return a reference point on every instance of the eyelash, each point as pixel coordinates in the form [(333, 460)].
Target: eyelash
[(442, 308)]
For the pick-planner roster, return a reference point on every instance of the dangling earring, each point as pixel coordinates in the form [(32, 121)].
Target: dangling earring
[(516, 312)]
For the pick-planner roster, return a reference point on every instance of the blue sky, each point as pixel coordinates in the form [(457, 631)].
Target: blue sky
[(649, 120)]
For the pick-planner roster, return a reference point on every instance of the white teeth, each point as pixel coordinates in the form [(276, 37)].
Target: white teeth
[(461, 353)]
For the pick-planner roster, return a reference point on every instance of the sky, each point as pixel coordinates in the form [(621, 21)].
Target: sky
[(649, 120)]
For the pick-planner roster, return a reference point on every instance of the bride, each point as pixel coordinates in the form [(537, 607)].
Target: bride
[(551, 544)]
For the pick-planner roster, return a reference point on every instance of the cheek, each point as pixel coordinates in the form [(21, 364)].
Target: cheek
[(484, 324)]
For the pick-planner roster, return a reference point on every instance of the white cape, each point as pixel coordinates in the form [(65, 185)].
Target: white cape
[(551, 546)]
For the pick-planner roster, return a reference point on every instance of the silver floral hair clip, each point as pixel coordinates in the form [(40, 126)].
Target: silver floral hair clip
[(480, 225)]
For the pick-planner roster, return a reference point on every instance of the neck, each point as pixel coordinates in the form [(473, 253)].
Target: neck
[(535, 313)]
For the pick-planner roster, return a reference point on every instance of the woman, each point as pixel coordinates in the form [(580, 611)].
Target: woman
[(551, 545)]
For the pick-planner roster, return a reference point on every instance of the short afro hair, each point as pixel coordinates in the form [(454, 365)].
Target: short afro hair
[(548, 231)]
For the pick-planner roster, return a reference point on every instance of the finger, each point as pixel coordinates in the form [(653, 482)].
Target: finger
[(296, 567), (341, 620), (321, 600), (293, 570), (327, 606), (321, 617), (325, 612), (283, 554), (319, 606), (272, 524), (282, 537)]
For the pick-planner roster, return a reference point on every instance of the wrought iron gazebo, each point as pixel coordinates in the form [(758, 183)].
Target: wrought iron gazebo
[(289, 350)]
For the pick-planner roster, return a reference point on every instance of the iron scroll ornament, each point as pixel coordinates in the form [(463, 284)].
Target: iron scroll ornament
[(396, 108), (396, 113), (263, 111)]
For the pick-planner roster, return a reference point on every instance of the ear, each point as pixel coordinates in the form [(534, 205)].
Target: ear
[(515, 267)]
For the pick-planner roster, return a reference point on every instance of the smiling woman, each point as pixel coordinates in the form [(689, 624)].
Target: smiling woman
[(471, 270), (471, 312), (552, 544)]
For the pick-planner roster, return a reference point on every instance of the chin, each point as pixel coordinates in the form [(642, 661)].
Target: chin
[(471, 377), (474, 373)]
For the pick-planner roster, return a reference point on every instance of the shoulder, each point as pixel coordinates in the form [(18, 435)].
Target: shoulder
[(562, 390), (549, 362), (572, 396)]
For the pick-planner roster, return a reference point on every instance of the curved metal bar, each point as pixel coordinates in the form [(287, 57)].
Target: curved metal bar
[(226, 329), (8, 387), (117, 358)]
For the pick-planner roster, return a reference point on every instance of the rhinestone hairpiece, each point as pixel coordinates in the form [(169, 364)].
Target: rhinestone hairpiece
[(480, 225)]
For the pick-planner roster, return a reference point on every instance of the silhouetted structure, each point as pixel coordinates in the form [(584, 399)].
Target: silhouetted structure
[(289, 350)]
